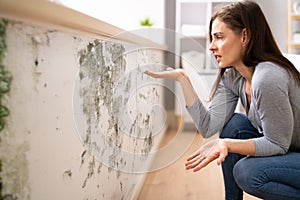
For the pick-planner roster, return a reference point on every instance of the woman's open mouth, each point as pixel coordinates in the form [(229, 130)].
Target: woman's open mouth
[(218, 58)]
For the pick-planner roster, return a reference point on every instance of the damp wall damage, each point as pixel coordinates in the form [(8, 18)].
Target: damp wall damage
[(84, 120)]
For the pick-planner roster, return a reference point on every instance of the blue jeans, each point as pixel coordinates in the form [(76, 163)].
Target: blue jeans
[(273, 177)]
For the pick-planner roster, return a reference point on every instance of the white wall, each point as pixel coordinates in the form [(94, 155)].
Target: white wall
[(125, 14), (276, 14)]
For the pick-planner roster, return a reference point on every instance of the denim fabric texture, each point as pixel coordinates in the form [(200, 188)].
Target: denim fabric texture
[(271, 177)]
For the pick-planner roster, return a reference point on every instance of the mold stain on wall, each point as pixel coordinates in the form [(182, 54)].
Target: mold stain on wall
[(116, 105), (5, 82), (5, 76)]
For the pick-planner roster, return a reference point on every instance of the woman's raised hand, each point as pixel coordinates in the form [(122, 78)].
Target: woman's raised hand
[(170, 73), (179, 75)]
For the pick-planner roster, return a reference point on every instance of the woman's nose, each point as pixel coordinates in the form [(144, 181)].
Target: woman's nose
[(212, 46)]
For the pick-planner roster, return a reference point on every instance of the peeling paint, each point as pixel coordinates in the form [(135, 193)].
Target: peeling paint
[(114, 102), (102, 64), (91, 172), (82, 157), (148, 143), (36, 72), (113, 99), (67, 174)]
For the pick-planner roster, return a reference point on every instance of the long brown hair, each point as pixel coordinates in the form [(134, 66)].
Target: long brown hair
[(261, 46)]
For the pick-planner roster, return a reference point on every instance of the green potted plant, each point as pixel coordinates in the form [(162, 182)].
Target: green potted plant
[(146, 22)]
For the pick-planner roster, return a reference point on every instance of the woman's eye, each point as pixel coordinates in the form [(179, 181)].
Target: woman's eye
[(219, 37)]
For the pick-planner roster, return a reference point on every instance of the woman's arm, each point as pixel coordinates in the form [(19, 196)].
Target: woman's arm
[(207, 120), (241, 146), (189, 93), (218, 149)]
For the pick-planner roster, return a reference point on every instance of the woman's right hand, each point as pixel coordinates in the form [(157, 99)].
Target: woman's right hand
[(170, 73), (179, 75)]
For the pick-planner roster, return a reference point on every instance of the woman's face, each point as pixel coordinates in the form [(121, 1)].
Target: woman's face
[(226, 45)]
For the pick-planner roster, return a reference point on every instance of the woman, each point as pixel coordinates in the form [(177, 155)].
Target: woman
[(259, 151)]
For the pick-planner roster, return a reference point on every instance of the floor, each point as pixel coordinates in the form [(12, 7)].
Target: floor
[(174, 182)]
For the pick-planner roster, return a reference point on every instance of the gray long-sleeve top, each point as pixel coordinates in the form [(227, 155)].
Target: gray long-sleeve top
[(274, 108)]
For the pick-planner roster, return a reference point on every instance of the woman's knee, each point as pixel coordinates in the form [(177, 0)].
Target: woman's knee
[(245, 172), (259, 175)]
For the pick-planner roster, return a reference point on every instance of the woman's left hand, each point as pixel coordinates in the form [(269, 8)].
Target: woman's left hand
[(215, 149)]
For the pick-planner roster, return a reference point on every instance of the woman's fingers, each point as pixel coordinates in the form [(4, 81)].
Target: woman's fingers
[(150, 73), (204, 150), (170, 69), (193, 156), (157, 74), (202, 164), (169, 73), (198, 162), (194, 162), (194, 159)]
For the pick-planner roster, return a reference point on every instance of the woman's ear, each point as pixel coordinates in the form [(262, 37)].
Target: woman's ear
[(245, 37)]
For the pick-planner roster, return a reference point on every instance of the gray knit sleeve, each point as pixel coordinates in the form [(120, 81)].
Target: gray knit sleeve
[(212, 119)]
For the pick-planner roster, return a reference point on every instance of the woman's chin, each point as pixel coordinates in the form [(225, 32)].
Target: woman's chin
[(221, 66), (224, 66)]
